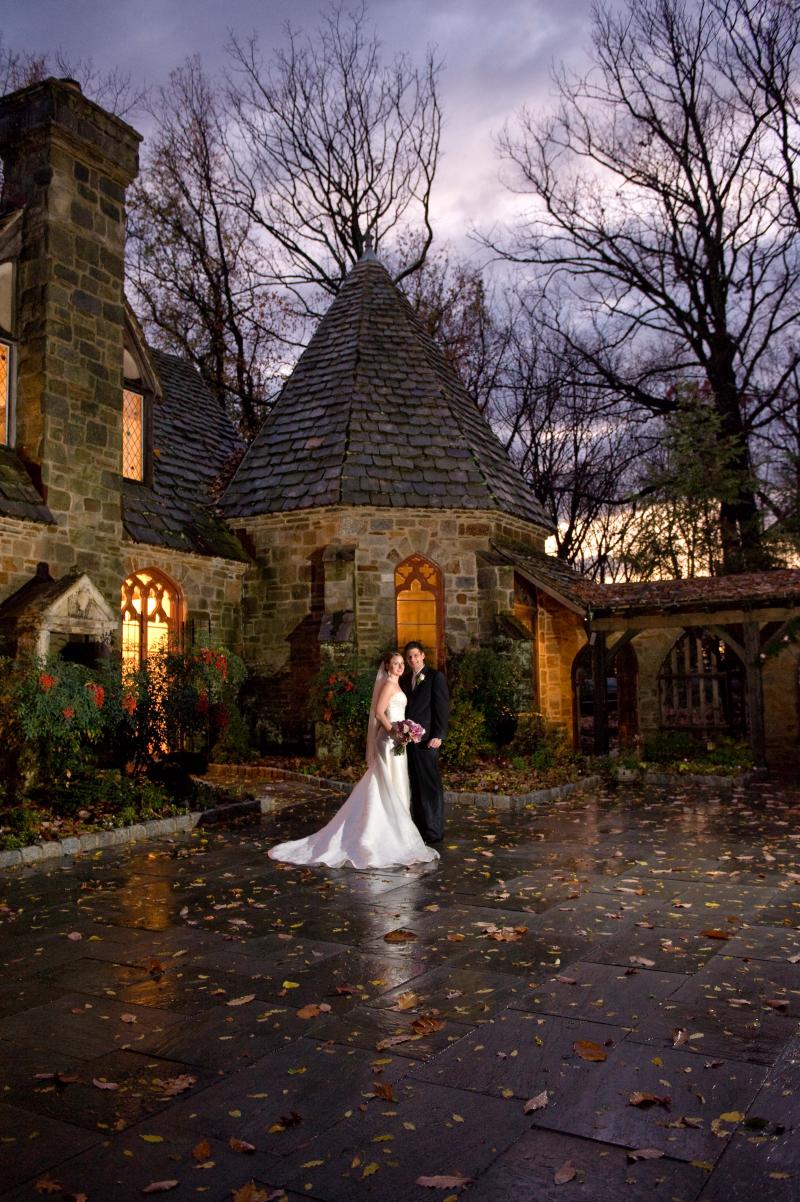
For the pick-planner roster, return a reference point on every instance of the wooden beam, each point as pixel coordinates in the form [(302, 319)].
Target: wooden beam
[(600, 694), (755, 692)]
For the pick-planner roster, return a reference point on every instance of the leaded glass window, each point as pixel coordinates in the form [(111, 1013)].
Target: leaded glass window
[(150, 617), (6, 380), (132, 435), (419, 605)]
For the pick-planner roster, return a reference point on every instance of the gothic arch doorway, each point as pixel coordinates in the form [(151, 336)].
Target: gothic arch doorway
[(419, 605), (151, 616)]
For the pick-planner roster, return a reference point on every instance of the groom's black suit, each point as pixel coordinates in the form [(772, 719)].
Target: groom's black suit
[(428, 704)]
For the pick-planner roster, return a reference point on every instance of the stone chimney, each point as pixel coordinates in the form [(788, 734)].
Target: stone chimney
[(67, 164)]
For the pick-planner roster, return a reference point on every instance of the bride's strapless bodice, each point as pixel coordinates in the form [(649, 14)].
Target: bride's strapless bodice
[(396, 709)]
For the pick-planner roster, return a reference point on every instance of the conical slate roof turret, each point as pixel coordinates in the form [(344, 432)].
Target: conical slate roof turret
[(374, 415)]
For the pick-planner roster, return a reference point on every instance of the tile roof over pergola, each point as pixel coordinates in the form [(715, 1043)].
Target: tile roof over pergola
[(374, 415)]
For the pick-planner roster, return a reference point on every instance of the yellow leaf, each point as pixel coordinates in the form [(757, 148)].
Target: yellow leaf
[(311, 1164), (702, 1164), (457, 1118), (409, 1126), (732, 1116), (291, 985), (381, 1139), (235, 1114), (369, 1169), (152, 1139), (507, 1093)]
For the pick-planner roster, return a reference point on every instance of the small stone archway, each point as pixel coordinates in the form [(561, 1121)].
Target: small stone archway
[(47, 616)]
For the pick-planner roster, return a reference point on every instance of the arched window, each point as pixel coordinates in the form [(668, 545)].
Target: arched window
[(701, 686), (151, 616), (419, 605)]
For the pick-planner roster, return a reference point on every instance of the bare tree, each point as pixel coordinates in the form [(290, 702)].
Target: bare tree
[(335, 146), (656, 206), (193, 259), (114, 90)]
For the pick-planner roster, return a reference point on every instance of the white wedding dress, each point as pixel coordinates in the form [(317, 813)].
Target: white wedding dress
[(374, 828)]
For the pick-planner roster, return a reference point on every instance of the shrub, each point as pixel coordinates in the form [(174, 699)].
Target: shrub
[(531, 732), (339, 702), (466, 735), (491, 682), (666, 746)]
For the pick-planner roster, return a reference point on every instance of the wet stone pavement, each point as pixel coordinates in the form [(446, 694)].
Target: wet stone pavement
[(590, 1001)]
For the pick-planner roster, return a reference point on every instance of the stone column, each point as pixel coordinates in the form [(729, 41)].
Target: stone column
[(67, 163)]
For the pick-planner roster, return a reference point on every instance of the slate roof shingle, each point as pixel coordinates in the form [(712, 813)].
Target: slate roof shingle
[(374, 415), (19, 497), (192, 441), (745, 590)]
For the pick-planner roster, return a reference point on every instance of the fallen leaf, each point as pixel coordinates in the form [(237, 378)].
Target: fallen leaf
[(60, 1079), (679, 1036), (715, 933), (392, 1040), (738, 1003), (566, 1173), (644, 1154), (645, 1100), (426, 1024), (406, 1000), (253, 1193), (588, 1050), (313, 1010), (567, 980), (152, 1139), (370, 1169), (401, 935), (46, 1185), (777, 1003), (444, 1181), (249, 997), (202, 1150), (98, 1084), (240, 1145), (537, 1103), (74, 936), (642, 961), (160, 1187), (381, 1090), (175, 1085), (128, 1018), (456, 937)]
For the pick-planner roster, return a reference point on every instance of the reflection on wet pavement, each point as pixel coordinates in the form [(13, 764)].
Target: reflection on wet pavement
[(609, 982)]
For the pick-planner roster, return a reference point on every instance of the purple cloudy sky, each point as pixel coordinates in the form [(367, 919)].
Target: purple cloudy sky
[(497, 53)]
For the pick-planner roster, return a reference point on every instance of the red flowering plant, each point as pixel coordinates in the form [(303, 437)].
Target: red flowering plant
[(339, 701), (180, 701), (56, 713)]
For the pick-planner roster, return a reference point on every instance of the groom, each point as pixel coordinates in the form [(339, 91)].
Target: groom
[(428, 704)]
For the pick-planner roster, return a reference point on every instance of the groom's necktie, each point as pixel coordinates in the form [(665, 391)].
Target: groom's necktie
[(414, 681)]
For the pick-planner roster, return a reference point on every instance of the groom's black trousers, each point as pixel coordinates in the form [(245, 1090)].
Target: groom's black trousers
[(427, 794)]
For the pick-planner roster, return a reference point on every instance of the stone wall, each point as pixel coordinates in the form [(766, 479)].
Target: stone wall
[(781, 676), (211, 588), (69, 163), (285, 592), (560, 636)]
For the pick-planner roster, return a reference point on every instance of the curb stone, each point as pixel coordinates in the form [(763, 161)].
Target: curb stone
[(74, 845)]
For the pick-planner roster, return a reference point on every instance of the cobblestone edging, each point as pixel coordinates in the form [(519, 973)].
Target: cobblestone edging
[(36, 853), (631, 777)]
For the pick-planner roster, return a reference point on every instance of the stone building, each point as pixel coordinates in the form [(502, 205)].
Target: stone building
[(375, 505)]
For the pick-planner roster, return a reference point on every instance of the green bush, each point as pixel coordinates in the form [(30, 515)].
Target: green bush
[(232, 744), (531, 732), (666, 746), (339, 702), (491, 682), (466, 735)]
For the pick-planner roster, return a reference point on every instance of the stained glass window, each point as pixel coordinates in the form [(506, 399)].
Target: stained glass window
[(5, 392), (132, 435), (419, 605), (150, 617)]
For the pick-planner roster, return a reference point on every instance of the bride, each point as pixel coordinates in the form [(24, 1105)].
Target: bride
[(374, 828)]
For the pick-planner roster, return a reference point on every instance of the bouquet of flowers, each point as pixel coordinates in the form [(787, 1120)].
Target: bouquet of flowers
[(403, 733)]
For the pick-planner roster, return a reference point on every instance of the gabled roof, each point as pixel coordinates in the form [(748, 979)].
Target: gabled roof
[(193, 440), (549, 573), (374, 415)]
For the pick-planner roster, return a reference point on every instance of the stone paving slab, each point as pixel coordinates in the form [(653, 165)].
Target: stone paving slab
[(271, 996)]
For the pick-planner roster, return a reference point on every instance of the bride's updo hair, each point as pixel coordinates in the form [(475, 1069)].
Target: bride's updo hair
[(386, 662)]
